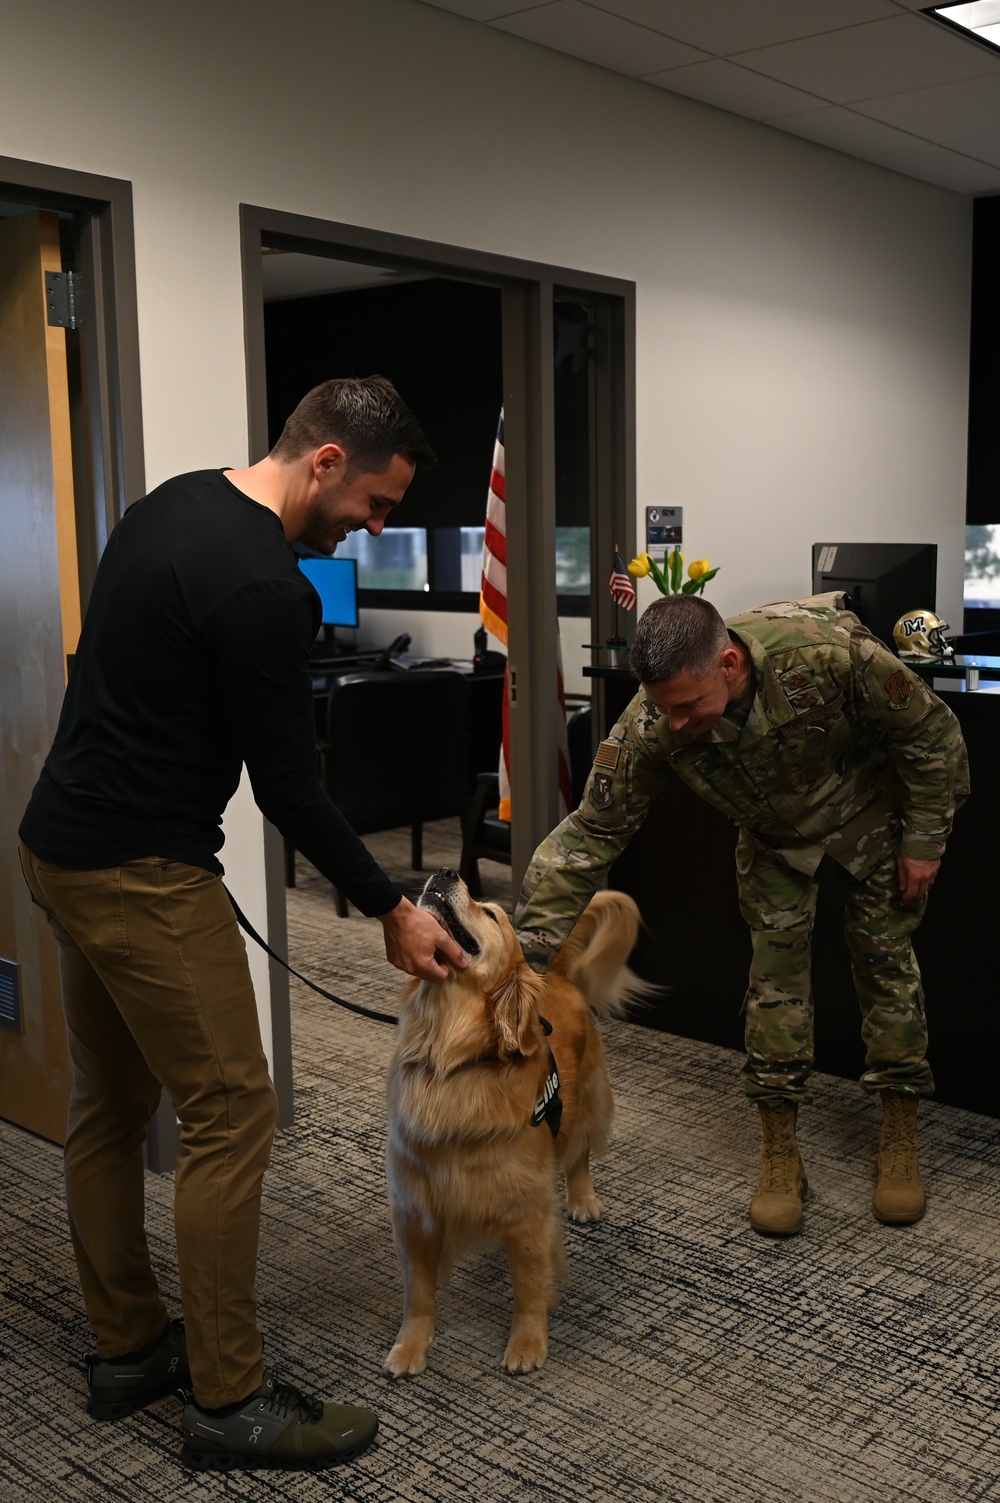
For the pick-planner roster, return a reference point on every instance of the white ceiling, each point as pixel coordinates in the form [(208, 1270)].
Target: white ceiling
[(872, 78), (288, 274)]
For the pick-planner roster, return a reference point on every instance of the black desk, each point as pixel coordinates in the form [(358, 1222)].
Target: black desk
[(323, 671), (970, 667), (619, 689)]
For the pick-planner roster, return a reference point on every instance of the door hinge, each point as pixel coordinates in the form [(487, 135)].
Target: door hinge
[(63, 299)]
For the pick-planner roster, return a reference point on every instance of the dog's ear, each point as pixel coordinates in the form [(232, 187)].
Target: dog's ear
[(512, 1006)]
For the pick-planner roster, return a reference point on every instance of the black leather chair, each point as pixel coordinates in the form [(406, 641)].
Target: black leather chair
[(485, 836), (395, 751)]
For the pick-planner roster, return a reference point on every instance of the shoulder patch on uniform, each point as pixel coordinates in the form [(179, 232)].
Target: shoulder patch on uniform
[(794, 680), (898, 690), (608, 754), (800, 689), (602, 791)]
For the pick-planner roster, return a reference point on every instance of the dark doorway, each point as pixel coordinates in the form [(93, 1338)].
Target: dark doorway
[(440, 342)]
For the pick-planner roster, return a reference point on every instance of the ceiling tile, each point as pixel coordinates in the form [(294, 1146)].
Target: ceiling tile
[(878, 58), (724, 26), (597, 37), (733, 88), (485, 10), (935, 164), (945, 113), (844, 131), (986, 148)]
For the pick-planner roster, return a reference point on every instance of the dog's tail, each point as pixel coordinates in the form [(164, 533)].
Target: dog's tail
[(594, 956)]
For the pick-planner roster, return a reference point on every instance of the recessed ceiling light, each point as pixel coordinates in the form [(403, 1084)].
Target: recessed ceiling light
[(979, 19)]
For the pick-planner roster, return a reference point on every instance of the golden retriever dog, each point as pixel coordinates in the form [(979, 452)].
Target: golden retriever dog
[(476, 1139)]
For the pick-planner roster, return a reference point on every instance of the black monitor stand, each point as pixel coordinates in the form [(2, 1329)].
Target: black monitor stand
[(326, 644)]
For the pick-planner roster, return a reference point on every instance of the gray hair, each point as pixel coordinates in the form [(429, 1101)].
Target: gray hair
[(676, 633)]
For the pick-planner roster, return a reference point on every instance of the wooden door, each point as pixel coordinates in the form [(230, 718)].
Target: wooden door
[(39, 627)]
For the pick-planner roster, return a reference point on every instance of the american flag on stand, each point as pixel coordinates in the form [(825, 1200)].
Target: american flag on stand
[(620, 583), (493, 610)]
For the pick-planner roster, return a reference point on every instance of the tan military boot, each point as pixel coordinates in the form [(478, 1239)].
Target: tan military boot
[(899, 1193), (776, 1208)]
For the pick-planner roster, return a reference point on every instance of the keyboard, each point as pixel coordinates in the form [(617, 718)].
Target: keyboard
[(322, 652)]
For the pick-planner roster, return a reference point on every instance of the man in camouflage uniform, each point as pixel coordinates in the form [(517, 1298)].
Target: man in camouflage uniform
[(817, 741)]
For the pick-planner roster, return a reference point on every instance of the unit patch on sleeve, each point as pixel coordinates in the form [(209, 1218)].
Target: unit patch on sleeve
[(898, 690), (601, 791)]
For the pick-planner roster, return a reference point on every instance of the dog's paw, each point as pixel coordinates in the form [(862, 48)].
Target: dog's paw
[(525, 1353), (406, 1360), (586, 1208)]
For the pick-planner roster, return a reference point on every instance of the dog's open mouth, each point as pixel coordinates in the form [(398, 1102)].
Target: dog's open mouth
[(436, 898)]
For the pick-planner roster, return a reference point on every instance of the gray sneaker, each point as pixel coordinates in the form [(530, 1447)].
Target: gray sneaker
[(278, 1426), (120, 1388)]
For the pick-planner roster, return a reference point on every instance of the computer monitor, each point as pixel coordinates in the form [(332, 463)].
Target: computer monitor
[(336, 582), (884, 580)]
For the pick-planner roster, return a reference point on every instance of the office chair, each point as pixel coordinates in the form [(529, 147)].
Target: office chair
[(395, 752), (485, 835)]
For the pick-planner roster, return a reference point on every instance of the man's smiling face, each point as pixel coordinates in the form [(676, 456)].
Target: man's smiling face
[(345, 502), (694, 705)]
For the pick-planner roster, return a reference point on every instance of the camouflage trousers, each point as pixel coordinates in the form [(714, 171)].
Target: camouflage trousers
[(779, 904)]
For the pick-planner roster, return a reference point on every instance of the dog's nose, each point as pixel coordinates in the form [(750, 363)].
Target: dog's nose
[(448, 874)]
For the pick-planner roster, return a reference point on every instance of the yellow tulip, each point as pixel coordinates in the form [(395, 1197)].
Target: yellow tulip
[(639, 567), (699, 567)]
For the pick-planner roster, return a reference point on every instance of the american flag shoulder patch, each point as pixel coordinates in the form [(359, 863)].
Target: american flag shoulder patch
[(608, 754)]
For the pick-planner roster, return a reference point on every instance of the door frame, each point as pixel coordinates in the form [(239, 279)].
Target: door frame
[(107, 437), (527, 290), (108, 459)]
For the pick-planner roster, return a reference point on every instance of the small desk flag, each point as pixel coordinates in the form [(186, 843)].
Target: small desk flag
[(620, 583)]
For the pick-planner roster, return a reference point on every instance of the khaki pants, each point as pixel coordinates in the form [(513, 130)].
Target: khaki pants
[(157, 991)]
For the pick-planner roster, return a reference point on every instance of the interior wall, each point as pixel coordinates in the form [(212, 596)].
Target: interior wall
[(802, 317)]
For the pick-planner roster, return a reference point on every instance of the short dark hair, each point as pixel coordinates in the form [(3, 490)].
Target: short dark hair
[(676, 633), (365, 415)]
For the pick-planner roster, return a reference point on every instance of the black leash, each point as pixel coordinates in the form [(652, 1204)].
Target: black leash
[(248, 928)]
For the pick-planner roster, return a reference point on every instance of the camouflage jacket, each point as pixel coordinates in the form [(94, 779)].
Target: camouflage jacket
[(845, 752)]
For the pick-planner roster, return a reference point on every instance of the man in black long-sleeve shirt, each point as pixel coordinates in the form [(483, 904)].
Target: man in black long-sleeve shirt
[(193, 660)]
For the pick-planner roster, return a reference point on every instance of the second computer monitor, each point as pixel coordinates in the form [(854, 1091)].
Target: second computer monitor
[(336, 582), (884, 580)]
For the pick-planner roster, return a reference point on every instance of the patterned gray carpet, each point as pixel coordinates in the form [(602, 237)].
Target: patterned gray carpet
[(691, 1361)]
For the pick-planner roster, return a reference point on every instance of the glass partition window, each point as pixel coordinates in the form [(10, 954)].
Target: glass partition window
[(400, 559), (395, 561), (982, 566), (573, 560), (472, 558)]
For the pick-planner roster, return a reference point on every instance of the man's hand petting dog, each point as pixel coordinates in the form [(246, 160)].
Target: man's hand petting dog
[(416, 943)]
